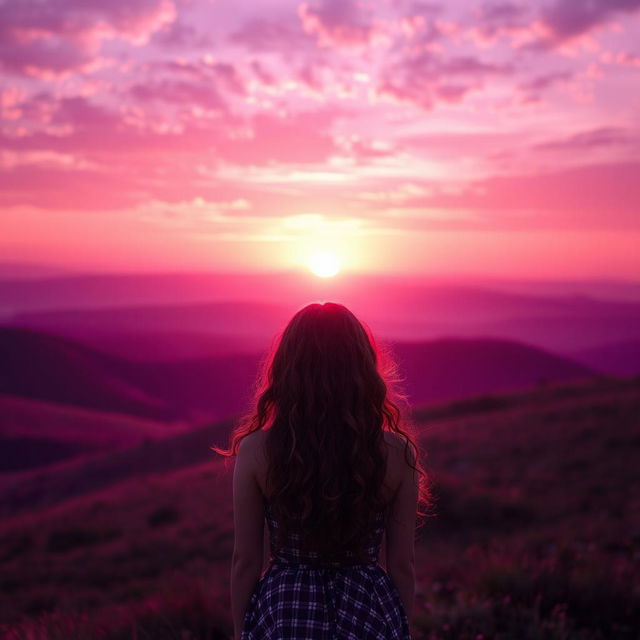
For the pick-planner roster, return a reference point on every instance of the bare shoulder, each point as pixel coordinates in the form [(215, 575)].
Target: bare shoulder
[(397, 442), (393, 439), (397, 448), (252, 444)]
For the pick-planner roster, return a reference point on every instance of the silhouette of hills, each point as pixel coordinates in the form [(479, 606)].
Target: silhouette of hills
[(37, 365), (98, 308), (53, 368), (614, 358), (455, 367), (35, 433)]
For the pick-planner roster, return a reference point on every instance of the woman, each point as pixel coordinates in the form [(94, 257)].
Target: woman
[(324, 458)]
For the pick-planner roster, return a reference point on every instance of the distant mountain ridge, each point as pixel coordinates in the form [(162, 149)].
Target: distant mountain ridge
[(251, 308), (34, 364), (51, 380), (620, 358), (454, 367), (35, 433), (42, 366)]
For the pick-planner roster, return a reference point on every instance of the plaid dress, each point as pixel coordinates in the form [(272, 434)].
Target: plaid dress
[(296, 598)]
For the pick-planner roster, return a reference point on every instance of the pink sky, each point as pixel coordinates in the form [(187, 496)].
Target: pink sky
[(498, 138)]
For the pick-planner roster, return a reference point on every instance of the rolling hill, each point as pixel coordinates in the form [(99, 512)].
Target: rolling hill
[(37, 365), (449, 368), (55, 369), (35, 433), (49, 367), (613, 358), (535, 530)]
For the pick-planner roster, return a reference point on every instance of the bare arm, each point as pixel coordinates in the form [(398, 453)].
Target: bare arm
[(248, 519), (400, 533)]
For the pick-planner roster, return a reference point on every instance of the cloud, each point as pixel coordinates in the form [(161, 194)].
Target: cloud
[(544, 81), (337, 23), (200, 83), (589, 197), (263, 74), (44, 57), (180, 92), (496, 18), (516, 23), (63, 35), (295, 138), (536, 86), (179, 34), (622, 59), (539, 28), (427, 78), (282, 35), (203, 70), (569, 18), (592, 139), (161, 161)]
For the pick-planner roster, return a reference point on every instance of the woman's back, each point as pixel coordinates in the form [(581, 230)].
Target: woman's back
[(300, 596), (396, 465)]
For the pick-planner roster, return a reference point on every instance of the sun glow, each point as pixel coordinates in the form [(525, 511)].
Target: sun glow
[(324, 264)]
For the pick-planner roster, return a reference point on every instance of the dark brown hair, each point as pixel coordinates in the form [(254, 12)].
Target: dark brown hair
[(325, 394)]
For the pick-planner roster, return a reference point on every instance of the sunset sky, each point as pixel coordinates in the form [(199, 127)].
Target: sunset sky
[(498, 138)]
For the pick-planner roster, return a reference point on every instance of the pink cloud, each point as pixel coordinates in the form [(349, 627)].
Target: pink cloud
[(283, 34), (296, 138), (60, 36), (560, 23), (569, 18), (591, 139), (589, 197), (426, 78), (102, 136), (190, 83), (534, 88), (180, 92), (203, 70), (98, 131), (262, 73), (336, 22), (179, 34), (622, 59)]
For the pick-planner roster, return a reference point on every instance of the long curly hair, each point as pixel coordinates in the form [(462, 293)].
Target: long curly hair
[(325, 394)]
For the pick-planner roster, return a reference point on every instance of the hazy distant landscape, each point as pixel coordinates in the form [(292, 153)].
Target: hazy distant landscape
[(181, 358), (527, 404)]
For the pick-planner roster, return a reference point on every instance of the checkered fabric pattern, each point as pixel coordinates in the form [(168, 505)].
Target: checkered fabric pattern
[(298, 598)]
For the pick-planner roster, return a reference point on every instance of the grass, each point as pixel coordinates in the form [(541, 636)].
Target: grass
[(536, 535)]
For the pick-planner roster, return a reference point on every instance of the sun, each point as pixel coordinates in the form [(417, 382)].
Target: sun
[(324, 264)]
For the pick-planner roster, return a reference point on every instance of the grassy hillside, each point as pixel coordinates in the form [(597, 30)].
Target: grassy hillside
[(536, 532), (34, 433), (46, 367), (38, 489)]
